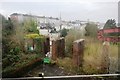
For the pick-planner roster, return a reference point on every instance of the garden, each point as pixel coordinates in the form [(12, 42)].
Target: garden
[(22, 47)]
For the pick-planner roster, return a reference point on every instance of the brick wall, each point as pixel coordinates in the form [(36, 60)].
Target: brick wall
[(58, 48), (78, 51)]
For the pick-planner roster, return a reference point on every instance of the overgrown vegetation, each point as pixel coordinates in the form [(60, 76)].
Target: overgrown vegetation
[(7, 31), (63, 32), (13, 43), (72, 35), (14, 54), (91, 30), (67, 65), (30, 26), (92, 51), (92, 59)]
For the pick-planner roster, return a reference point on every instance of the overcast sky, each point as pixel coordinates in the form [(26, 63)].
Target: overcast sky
[(94, 10)]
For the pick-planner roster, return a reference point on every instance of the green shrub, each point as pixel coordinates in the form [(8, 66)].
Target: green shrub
[(91, 30), (63, 32), (73, 35)]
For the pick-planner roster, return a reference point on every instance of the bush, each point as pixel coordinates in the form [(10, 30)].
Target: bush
[(63, 32), (91, 30), (73, 35)]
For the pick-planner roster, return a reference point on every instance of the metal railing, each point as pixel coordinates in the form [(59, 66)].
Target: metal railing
[(74, 77)]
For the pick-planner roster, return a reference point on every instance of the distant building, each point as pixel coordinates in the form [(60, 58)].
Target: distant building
[(119, 13), (40, 19), (54, 23), (43, 20), (16, 17)]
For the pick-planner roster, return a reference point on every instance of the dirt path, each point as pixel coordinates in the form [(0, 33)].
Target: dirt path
[(48, 70)]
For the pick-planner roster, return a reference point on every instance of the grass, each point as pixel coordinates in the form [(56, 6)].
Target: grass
[(92, 58), (72, 35), (92, 54), (114, 58), (66, 64)]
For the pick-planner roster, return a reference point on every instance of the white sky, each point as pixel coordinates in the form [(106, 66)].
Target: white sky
[(94, 10), (59, 0)]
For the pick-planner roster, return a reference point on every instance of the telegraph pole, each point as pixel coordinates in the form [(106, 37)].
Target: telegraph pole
[(60, 22)]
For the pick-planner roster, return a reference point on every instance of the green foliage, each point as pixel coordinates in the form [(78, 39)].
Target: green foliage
[(63, 32), (7, 27), (39, 45), (35, 40), (30, 26), (111, 23), (33, 36), (13, 50), (91, 30), (10, 50), (10, 42), (7, 31), (10, 59), (19, 64), (72, 35)]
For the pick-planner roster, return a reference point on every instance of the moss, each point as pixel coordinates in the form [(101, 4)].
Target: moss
[(33, 36)]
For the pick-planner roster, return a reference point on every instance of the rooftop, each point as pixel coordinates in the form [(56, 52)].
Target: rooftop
[(33, 16)]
